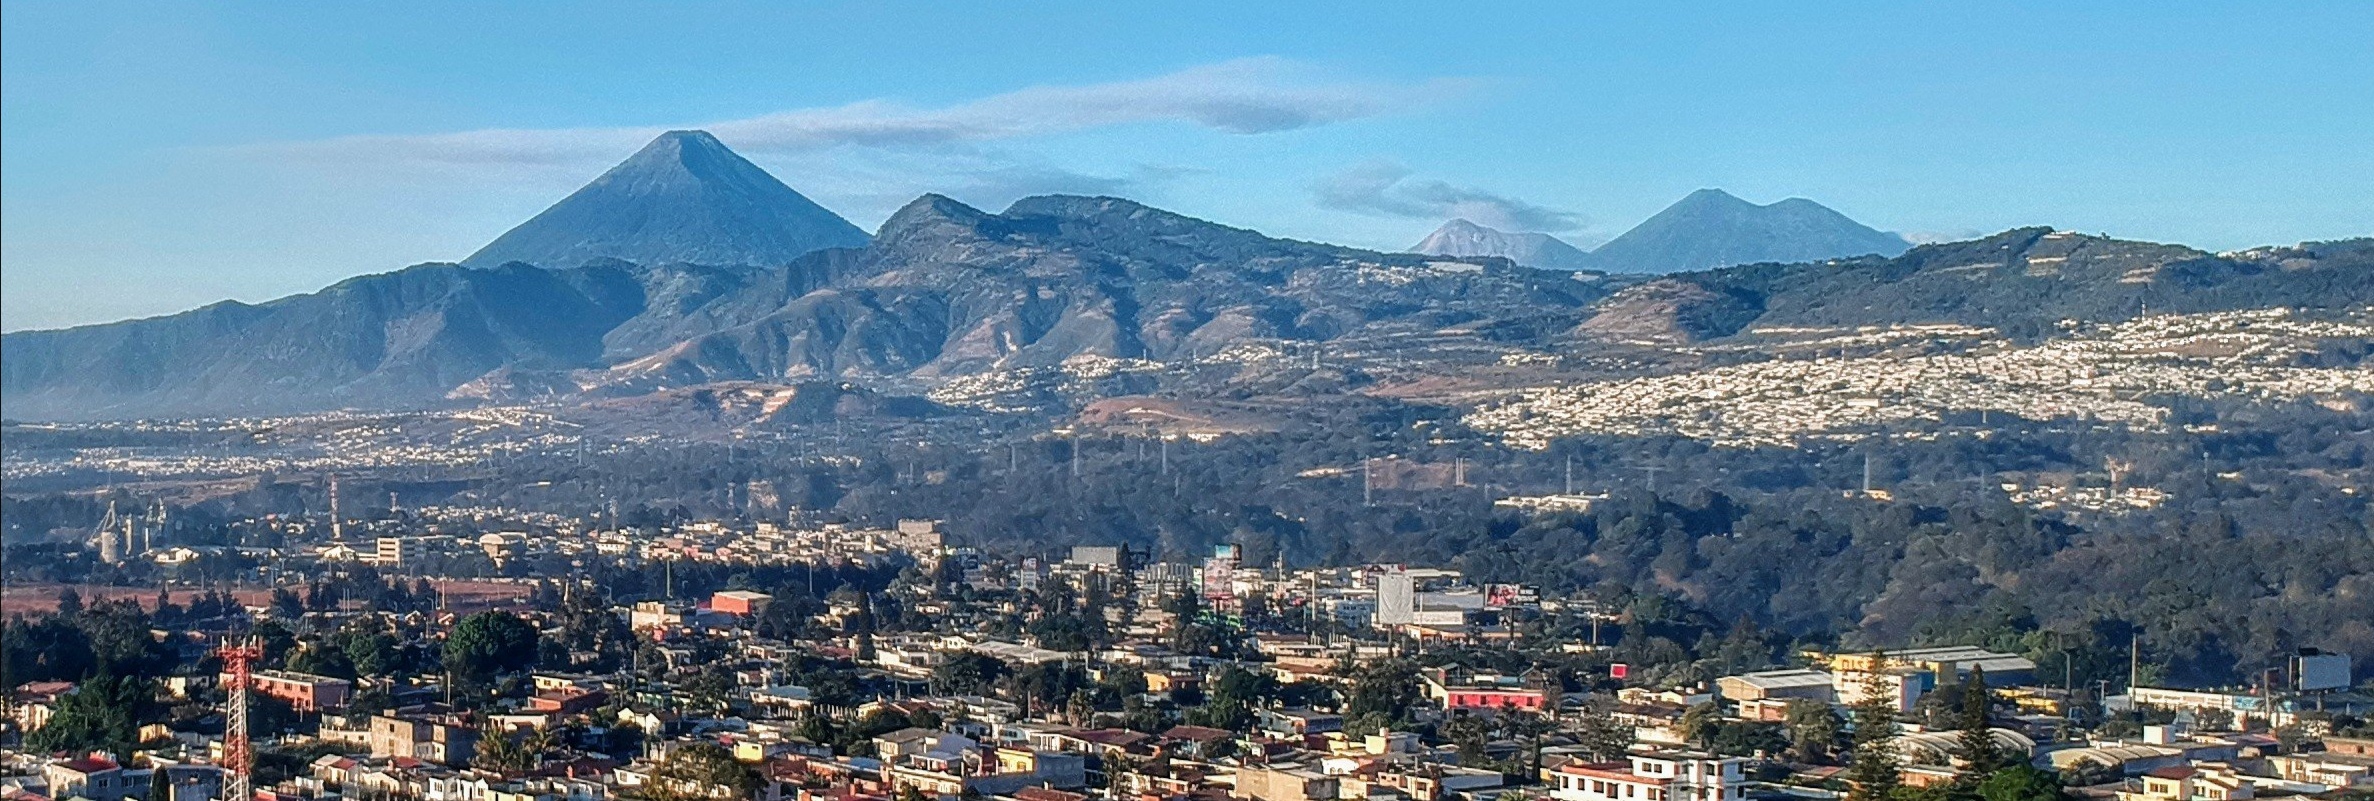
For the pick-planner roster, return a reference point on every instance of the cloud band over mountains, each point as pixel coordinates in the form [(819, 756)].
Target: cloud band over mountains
[(1385, 188), (1241, 96)]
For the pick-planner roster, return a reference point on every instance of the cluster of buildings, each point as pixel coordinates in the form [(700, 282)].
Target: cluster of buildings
[(312, 443), (706, 541), (2093, 373), (892, 721)]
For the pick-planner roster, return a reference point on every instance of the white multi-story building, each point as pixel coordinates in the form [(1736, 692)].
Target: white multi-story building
[(1654, 776), (1397, 599)]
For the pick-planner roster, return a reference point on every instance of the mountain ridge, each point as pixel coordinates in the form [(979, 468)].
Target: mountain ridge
[(947, 291), (1706, 229), (963, 292)]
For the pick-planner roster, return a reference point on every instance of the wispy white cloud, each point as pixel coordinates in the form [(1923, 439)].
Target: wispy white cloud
[(1385, 188), (1945, 235), (1243, 96)]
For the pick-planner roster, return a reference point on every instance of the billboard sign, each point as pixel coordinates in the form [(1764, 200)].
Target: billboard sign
[(2318, 671)]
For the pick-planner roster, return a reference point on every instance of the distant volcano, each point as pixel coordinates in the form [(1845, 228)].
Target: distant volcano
[(1463, 238), (1710, 228), (683, 198)]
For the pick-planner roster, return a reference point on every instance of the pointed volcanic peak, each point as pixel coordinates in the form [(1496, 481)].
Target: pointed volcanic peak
[(1711, 228), (1463, 238), (683, 198)]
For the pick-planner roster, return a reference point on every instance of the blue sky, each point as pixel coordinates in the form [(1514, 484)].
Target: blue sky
[(156, 157)]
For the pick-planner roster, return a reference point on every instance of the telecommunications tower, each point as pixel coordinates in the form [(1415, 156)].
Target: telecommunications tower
[(239, 756)]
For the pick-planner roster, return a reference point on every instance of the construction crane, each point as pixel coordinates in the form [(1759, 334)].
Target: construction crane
[(239, 756)]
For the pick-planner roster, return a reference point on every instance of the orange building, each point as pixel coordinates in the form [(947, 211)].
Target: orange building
[(739, 602)]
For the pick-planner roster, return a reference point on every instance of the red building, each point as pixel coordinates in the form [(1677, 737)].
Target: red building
[(1456, 690), (1477, 698), (305, 691), (739, 602), (567, 700)]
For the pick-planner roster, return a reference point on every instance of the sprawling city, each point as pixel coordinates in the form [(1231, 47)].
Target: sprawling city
[(974, 403)]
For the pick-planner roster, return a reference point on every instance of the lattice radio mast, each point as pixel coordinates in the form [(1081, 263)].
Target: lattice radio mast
[(239, 756)]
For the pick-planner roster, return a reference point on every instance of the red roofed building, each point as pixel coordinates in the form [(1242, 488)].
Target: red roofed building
[(96, 777), (34, 702)]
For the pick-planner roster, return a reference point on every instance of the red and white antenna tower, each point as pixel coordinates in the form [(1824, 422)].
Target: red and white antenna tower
[(239, 756)]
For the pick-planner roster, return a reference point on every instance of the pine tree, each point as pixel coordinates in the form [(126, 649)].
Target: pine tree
[(1977, 740), (1874, 772)]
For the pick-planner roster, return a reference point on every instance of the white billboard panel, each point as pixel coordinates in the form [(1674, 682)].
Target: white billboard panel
[(2322, 671)]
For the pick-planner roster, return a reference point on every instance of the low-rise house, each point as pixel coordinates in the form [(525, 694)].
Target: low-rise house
[(2204, 782), (305, 692), (2328, 768), (192, 782), (1653, 776), (567, 700), (33, 703), (97, 777), (1196, 742), (1812, 685), (1285, 783), (1002, 772), (1299, 722), (442, 739), (1102, 742), (1419, 781)]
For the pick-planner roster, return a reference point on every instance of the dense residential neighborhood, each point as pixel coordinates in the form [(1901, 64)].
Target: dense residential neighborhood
[(787, 660)]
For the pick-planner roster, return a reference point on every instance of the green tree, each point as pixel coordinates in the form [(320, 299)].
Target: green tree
[(103, 713), (966, 674), (1813, 729), (119, 636), (372, 653), (2021, 782), (321, 659), (44, 649), (816, 728), (1698, 722), (711, 687), (703, 771), (488, 644), (511, 755), (1976, 738), (1603, 737), (1381, 697), (1874, 769), (1469, 734), (285, 604)]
